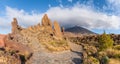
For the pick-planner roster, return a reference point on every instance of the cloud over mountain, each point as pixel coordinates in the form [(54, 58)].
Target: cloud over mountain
[(77, 14)]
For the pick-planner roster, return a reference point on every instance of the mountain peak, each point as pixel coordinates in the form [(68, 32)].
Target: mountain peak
[(78, 29)]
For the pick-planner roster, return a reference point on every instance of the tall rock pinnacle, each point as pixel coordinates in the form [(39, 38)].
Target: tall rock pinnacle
[(57, 29), (46, 21), (15, 26)]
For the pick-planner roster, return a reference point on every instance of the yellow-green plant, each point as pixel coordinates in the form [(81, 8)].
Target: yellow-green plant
[(105, 41)]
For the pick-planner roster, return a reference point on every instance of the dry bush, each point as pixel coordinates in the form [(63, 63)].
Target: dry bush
[(90, 49), (117, 47), (114, 61), (113, 53), (57, 45), (91, 60)]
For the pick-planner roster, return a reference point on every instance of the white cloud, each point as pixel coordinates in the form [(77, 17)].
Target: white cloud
[(25, 19), (84, 16), (114, 5), (114, 2), (70, 16), (70, 1)]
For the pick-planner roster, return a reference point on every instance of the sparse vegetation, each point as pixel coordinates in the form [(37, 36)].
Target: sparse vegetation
[(99, 47), (57, 45)]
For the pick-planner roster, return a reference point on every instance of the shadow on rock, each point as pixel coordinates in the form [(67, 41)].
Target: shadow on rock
[(78, 53), (77, 60)]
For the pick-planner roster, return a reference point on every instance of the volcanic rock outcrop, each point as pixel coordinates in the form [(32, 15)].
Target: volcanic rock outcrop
[(15, 27), (10, 51), (45, 33), (57, 30), (2, 44), (46, 21)]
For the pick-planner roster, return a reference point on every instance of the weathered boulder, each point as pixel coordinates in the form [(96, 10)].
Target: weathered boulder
[(14, 46)]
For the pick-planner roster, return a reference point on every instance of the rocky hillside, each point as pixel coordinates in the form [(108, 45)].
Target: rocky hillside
[(50, 36), (43, 43)]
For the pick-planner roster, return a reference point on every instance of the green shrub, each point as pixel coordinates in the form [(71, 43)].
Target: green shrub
[(105, 60), (105, 41)]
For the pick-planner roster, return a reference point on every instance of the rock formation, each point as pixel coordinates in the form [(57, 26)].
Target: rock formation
[(15, 27), (2, 44), (46, 21), (37, 38), (11, 51), (57, 30), (63, 30), (10, 45), (44, 34)]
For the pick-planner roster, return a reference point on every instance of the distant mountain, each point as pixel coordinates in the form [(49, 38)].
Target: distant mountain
[(78, 29)]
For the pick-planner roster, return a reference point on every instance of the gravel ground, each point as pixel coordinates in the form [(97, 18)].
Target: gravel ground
[(66, 57)]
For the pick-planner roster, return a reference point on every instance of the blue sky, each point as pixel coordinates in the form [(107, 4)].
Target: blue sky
[(96, 15)]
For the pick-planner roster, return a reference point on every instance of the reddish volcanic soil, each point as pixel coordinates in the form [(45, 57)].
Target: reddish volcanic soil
[(2, 44)]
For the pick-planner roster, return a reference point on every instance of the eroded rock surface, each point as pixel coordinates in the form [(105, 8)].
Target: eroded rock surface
[(11, 50)]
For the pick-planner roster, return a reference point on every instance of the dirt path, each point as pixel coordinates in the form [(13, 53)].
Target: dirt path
[(75, 47), (65, 57)]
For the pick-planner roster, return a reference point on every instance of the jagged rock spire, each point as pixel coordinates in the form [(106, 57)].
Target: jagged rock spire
[(57, 29), (63, 30), (46, 21), (15, 26)]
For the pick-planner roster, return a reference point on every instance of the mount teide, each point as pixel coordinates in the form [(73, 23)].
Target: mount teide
[(78, 29)]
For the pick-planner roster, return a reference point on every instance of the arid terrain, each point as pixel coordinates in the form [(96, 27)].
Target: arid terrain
[(48, 43)]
